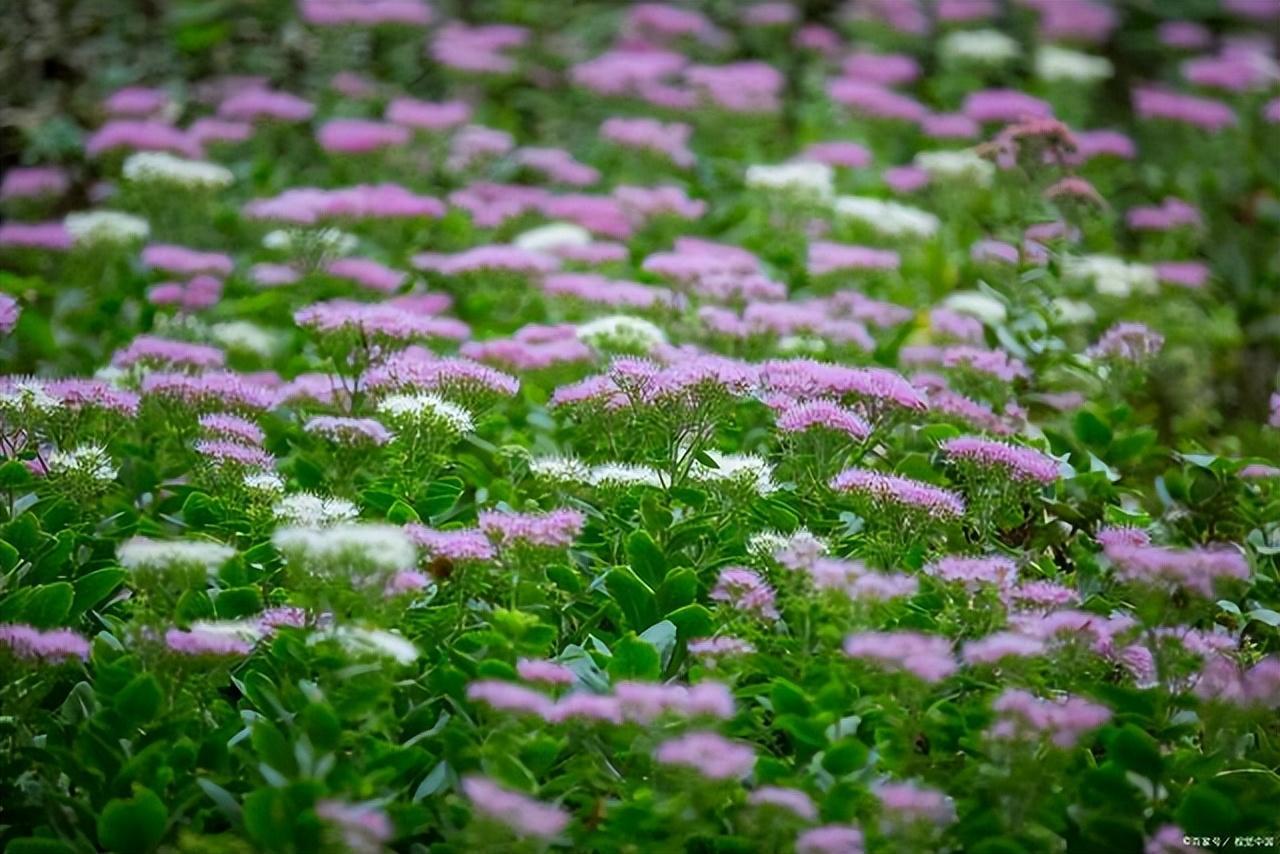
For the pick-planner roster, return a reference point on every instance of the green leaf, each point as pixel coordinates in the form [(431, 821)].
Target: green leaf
[(133, 826), (1265, 615), (14, 474), (49, 604), (9, 556), (321, 726), (663, 638), (1135, 750), (1091, 430), (268, 819), (846, 757), (636, 599), (93, 588), (788, 698), (647, 560), (38, 845), (678, 589), (1206, 811), (237, 602), (692, 621), (440, 497), (401, 513), (636, 659), (139, 701), (273, 748)]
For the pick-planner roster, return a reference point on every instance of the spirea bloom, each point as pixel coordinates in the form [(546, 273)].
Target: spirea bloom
[(1063, 720), (825, 415), (364, 829), (349, 546), (105, 228), (429, 409), (928, 657), (708, 754), (804, 180), (1199, 569), (905, 803), (521, 814), (309, 510), (348, 431), (1128, 342), (746, 591), (890, 219), (227, 639), (88, 461), (141, 553), (974, 571), (52, 646), (1014, 461), (457, 544), (900, 491), (830, 839), (794, 801), (161, 168), (745, 471), (553, 529), (719, 647)]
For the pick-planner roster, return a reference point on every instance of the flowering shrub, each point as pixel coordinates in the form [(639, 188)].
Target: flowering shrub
[(708, 427)]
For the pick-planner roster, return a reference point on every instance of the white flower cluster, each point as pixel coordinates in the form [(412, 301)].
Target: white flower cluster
[(963, 164), (1112, 276), (622, 333), (158, 167), (370, 642), (552, 236), (30, 397), (88, 461), (1060, 63), (246, 337), (987, 47), (813, 181), (265, 482), (985, 307), (568, 470), (141, 553), (749, 470), (427, 408), (106, 228), (308, 510), (312, 241), (348, 546), (892, 219), (766, 544)]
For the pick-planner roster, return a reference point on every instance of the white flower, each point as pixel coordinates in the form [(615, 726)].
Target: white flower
[(245, 630), (92, 228), (308, 510), (767, 544), (962, 164), (749, 470), (811, 180), (29, 395), (352, 545), (560, 469), (1112, 276), (989, 47), (162, 168), (142, 553), (1059, 63), (552, 236), (622, 332), (90, 461), (429, 408), (318, 241), (889, 218), (624, 475), (360, 641), (246, 337), (806, 344), (986, 308), (266, 482), (1072, 311)]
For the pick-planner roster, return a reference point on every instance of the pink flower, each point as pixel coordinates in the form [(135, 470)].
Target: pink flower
[(335, 13), (39, 235), (136, 101), (972, 572), (1000, 645), (426, 115), (202, 643), (794, 801), (351, 432), (367, 273), (162, 352), (900, 491), (1199, 569), (667, 140), (553, 529), (907, 802), (837, 153), (1204, 113), (708, 754), (140, 135), (259, 103), (830, 839), (1128, 342), (53, 646), (522, 815), (33, 182), (185, 262), (357, 136), (548, 672), (1064, 721), (825, 415), (10, 311), (928, 657), (364, 829), (746, 591), (457, 545), (827, 258), (1017, 462), (509, 697)]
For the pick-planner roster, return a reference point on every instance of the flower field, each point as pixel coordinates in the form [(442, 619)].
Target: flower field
[(526, 426)]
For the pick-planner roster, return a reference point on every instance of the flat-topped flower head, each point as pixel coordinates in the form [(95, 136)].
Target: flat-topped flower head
[(427, 409), (552, 529), (43, 646), (745, 590), (907, 803), (830, 839), (973, 572), (1135, 343), (750, 473), (309, 510), (823, 415), (106, 228), (903, 492), (349, 432), (163, 170), (794, 801), (144, 554), (1201, 570), (708, 754), (1019, 463), (362, 828), (927, 657), (1063, 721), (211, 641), (347, 549), (522, 815), (379, 321), (456, 544)]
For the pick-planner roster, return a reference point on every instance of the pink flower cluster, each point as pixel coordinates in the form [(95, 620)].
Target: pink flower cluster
[(52, 646), (1064, 721), (902, 492), (553, 529), (1015, 461), (927, 657)]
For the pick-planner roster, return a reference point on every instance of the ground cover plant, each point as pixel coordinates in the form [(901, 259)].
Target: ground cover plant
[(714, 427)]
